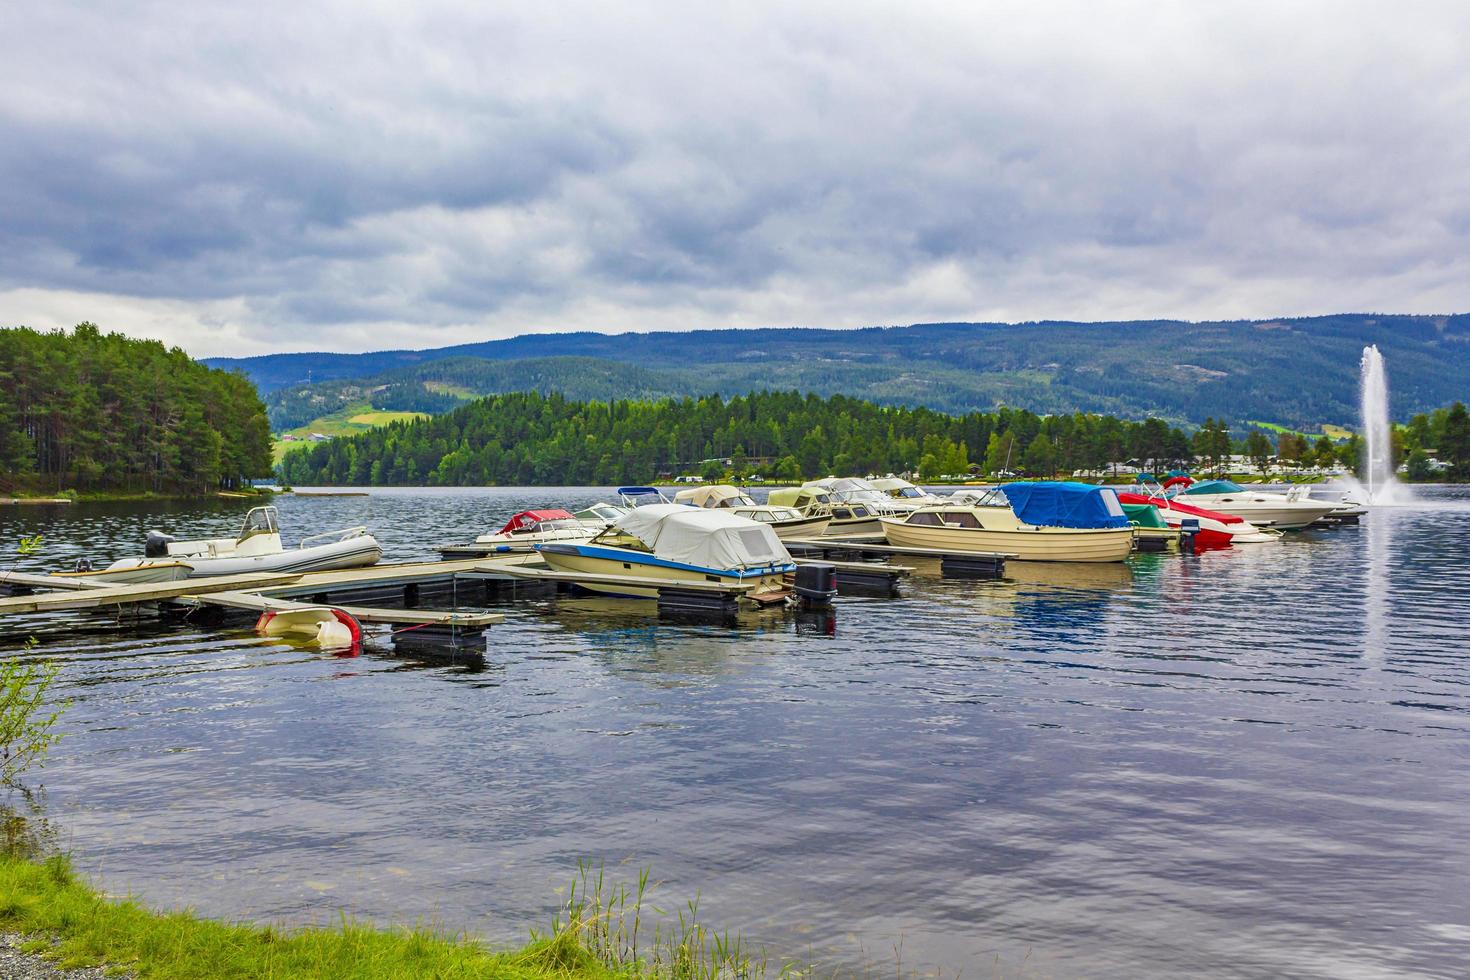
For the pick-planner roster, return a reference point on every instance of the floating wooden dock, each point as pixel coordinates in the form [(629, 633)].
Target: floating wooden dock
[(251, 593)]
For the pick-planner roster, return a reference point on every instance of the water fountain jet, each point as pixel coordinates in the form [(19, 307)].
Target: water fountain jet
[(1382, 486)]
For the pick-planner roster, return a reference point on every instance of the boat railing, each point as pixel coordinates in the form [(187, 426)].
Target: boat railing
[(332, 537)]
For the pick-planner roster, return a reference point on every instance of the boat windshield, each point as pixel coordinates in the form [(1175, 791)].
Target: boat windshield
[(1215, 486), (988, 497), (260, 520), (851, 489), (910, 492), (601, 512)]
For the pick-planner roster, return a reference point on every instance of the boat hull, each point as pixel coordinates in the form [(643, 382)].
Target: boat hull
[(1284, 515), (357, 552), (805, 527), (598, 560), (1031, 544), (853, 527), (157, 572)]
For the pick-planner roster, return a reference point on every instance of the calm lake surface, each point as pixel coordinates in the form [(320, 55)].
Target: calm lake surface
[(1247, 763)]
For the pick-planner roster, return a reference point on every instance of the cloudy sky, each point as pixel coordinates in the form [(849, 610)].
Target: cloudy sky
[(248, 177)]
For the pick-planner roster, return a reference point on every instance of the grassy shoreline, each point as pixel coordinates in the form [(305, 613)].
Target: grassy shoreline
[(70, 496), (72, 924)]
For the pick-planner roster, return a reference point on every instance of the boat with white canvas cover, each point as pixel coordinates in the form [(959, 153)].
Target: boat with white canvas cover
[(257, 548), (665, 544), (1031, 521), (787, 522)]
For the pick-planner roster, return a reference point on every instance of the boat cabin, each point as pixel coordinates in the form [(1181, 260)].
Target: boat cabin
[(711, 497)]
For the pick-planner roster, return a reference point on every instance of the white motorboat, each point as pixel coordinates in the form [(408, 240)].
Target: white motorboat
[(258, 548), (844, 519), (1279, 510), (641, 497), (788, 522), (665, 544), (1070, 522), (600, 515), (851, 490), (532, 527), (904, 491)]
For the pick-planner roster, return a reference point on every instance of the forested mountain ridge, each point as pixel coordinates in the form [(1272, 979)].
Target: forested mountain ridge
[(437, 386), (1240, 370), (97, 412)]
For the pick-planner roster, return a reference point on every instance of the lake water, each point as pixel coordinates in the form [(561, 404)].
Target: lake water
[(1247, 763)]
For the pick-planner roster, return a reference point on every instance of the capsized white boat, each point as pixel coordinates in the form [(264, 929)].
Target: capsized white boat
[(666, 544), (258, 548), (1038, 522), (321, 626), (1278, 510), (788, 522), (532, 527)]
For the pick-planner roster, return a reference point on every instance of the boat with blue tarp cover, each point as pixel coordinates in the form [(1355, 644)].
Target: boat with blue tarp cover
[(1032, 521)]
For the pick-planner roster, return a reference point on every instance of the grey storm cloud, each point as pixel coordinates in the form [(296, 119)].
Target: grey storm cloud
[(369, 173)]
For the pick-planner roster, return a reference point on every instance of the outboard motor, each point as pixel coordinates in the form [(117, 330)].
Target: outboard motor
[(156, 544), (1188, 529), (816, 582)]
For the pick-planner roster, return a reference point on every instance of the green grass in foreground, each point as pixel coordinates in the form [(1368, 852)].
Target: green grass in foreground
[(597, 939)]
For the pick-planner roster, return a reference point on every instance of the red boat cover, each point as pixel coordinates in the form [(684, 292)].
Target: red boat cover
[(1180, 508), (1178, 481), (527, 518)]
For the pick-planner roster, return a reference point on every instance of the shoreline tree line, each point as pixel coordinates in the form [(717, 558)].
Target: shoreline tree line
[(529, 438), (106, 413)]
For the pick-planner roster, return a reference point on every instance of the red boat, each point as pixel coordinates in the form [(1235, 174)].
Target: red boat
[(1216, 530)]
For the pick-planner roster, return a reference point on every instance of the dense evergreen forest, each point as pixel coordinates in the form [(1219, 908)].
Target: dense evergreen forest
[(527, 438), (102, 412)]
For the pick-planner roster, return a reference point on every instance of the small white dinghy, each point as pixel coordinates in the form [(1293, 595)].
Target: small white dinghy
[(323, 626), (257, 549)]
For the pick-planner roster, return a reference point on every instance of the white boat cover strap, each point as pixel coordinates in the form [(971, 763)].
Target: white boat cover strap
[(711, 538)]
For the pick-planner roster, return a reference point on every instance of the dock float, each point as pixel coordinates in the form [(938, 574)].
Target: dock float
[(952, 564), (680, 598)]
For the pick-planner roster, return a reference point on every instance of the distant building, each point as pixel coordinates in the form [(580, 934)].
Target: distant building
[(319, 437)]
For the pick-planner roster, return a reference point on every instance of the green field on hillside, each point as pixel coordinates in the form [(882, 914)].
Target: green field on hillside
[(1334, 432), (349, 421)]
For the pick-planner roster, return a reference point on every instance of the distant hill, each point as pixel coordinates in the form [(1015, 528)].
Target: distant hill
[(1295, 372)]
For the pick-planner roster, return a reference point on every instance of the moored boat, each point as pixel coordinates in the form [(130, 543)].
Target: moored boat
[(844, 519), (905, 492), (1215, 530), (532, 527), (1278, 510), (788, 522), (257, 548), (665, 544), (1032, 521)]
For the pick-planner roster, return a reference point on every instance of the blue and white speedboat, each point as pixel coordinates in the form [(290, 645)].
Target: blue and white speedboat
[(671, 543)]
